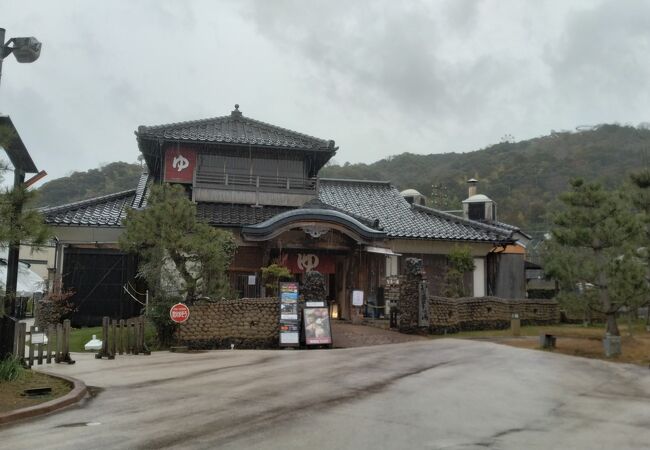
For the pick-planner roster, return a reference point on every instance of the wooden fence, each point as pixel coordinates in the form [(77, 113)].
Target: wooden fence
[(122, 337), (56, 348)]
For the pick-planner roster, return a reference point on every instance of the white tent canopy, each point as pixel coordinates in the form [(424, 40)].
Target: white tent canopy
[(29, 282)]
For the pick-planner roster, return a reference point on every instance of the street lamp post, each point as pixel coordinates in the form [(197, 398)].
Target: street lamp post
[(25, 50)]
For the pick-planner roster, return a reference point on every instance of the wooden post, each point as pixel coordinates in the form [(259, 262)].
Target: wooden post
[(40, 354), (31, 346), (145, 349), (50, 337), (66, 340), (16, 349), (130, 333), (23, 337), (59, 343), (104, 351), (136, 336), (113, 346), (121, 344), (141, 337)]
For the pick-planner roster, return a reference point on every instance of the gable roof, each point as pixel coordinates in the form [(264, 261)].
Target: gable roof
[(379, 200), (376, 204), (235, 129), (105, 211)]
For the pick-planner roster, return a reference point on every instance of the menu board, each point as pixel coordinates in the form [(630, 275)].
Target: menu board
[(289, 324), (317, 326), (357, 298)]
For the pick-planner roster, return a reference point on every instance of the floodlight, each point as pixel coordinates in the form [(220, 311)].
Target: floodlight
[(25, 49)]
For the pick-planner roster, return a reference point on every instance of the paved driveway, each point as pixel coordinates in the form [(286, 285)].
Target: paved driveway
[(444, 393), (346, 335)]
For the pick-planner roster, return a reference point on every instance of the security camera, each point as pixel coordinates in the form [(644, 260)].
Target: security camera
[(26, 49)]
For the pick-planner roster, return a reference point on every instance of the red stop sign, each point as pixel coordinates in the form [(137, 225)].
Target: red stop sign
[(179, 313)]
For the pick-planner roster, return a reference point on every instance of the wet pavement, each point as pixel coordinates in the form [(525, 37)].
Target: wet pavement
[(435, 394), (346, 335)]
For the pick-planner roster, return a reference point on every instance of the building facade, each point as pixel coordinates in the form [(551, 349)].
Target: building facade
[(261, 182)]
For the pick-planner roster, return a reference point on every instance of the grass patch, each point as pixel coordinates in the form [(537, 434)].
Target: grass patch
[(11, 391), (565, 330), (80, 336), (575, 340), (11, 369)]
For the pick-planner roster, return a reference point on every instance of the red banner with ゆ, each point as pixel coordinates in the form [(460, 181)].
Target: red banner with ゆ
[(306, 262), (179, 165)]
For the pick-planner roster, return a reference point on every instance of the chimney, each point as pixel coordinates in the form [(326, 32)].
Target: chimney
[(472, 182)]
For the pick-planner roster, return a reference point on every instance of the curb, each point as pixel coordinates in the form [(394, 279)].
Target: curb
[(79, 391)]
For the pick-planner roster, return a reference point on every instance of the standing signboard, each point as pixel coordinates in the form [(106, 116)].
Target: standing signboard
[(289, 323), (317, 326)]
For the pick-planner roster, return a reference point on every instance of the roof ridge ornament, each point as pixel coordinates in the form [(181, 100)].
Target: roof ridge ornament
[(236, 113)]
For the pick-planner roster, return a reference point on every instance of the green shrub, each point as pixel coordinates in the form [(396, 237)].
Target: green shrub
[(11, 368)]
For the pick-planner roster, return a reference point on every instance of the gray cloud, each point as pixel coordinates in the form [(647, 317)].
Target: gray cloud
[(379, 77)]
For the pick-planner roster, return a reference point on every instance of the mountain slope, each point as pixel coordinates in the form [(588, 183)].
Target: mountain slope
[(113, 177), (524, 178)]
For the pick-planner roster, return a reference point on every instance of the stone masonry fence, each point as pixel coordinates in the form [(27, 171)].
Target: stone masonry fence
[(244, 323), (451, 315)]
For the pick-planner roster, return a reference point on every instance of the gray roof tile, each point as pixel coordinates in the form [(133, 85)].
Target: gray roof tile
[(368, 201), (104, 211), (377, 200), (235, 129), (236, 214)]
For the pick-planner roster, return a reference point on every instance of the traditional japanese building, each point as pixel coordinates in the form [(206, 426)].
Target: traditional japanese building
[(261, 182)]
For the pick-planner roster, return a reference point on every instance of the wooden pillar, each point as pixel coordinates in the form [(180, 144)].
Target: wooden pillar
[(59, 343), (50, 346), (31, 345)]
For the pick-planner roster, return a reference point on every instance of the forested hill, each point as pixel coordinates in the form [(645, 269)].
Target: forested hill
[(113, 177), (523, 177)]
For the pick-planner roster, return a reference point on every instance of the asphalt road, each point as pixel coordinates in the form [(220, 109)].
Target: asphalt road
[(446, 393)]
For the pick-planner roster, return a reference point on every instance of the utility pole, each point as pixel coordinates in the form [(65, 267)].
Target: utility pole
[(26, 50)]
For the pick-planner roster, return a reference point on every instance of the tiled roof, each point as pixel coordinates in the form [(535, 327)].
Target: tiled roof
[(105, 211), (376, 204), (141, 191), (236, 214), (235, 129), (381, 201)]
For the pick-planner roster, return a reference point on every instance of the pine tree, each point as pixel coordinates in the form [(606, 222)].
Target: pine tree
[(640, 196), (181, 258), (595, 239)]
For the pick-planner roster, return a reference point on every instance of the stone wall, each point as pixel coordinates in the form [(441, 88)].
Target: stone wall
[(246, 323), (407, 317), (451, 315)]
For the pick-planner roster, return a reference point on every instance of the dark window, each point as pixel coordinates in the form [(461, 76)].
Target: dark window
[(477, 211)]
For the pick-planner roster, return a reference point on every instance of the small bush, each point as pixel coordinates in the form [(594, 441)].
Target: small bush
[(11, 369), (55, 307)]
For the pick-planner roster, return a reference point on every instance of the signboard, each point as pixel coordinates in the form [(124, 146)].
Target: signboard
[(38, 338), (317, 326), (289, 324), (179, 313), (314, 304), (357, 298), (307, 262), (179, 165)]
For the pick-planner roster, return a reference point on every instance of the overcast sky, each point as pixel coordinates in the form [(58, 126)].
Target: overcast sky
[(378, 77)]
